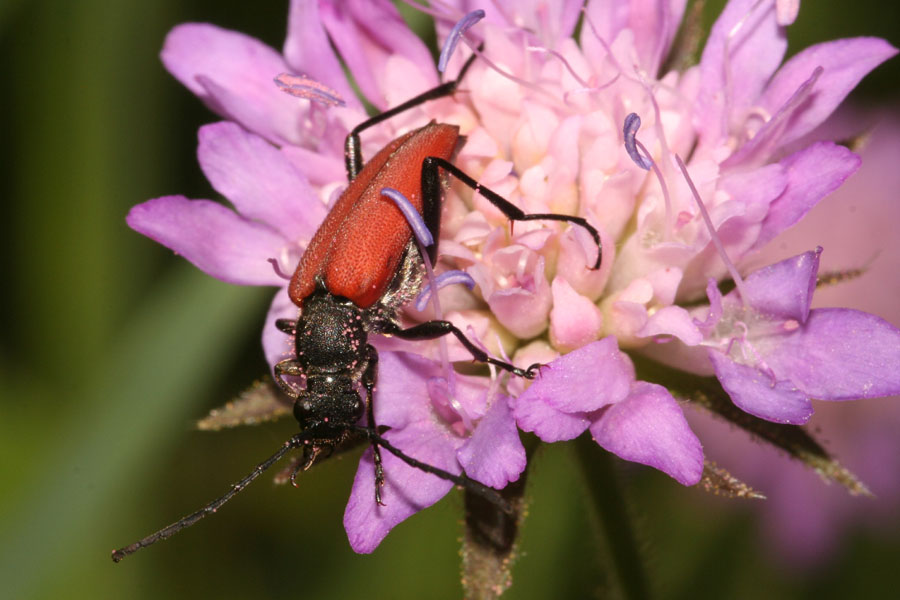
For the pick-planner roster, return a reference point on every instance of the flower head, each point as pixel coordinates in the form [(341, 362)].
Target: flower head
[(806, 521), (543, 120), (774, 354)]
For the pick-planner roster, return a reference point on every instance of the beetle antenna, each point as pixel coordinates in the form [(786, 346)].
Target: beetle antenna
[(166, 532), (479, 489)]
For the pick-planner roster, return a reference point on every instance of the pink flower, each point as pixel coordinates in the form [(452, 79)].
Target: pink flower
[(542, 116), (775, 354), (804, 520)]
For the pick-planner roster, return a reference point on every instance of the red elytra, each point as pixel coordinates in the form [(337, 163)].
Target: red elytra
[(358, 247)]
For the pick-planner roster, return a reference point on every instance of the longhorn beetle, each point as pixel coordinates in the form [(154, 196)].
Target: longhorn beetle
[(359, 268)]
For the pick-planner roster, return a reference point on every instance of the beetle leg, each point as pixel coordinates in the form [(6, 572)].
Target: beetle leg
[(430, 330), (311, 455), (368, 378), (431, 186), (352, 151), (288, 326), (288, 366), (489, 494)]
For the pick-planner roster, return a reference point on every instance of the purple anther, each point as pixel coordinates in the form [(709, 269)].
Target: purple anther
[(443, 280), (416, 223), (456, 34), (310, 89), (632, 124)]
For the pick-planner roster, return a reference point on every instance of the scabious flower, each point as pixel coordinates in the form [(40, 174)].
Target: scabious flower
[(543, 118), (802, 520)]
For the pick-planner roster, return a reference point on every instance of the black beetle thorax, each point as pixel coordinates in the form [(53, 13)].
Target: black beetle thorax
[(331, 336)]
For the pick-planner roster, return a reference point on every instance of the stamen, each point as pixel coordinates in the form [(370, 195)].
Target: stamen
[(726, 66), (586, 87), (276, 266), (563, 60), (641, 157), (609, 52), (749, 354), (738, 282), (765, 138), (524, 83), (443, 280), (638, 78), (442, 344), (591, 90), (632, 124), (310, 89), (495, 383), (447, 406), (658, 126), (456, 34), (416, 223), (423, 238)]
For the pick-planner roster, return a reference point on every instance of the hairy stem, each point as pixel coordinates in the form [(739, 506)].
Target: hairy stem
[(613, 518)]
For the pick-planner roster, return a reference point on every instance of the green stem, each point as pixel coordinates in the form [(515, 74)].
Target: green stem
[(613, 518), (490, 543)]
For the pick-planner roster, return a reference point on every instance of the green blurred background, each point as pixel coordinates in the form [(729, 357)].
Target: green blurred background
[(112, 347)]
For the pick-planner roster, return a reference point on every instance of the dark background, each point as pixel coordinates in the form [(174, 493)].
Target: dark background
[(112, 346)]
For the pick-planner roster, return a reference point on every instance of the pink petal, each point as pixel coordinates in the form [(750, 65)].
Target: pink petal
[(277, 345), (665, 282), (839, 354), (261, 183), (494, 454), (233, 74), (845, 62), (524, 309), (648, 427), (550, 21), (755, 189), (604, 21), (320, 168), (715, 307), (608, 19), (574, 320), (547, 423), (756, 393), (218, 241), (627, 318), (308, 51), (674, 321), (769, 136), (577, 252), (654, 23), (812, 174), (367, 34), (753, 54), (406, 491), (402, 394), (584, 380), (785, 289), (787, 11)]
